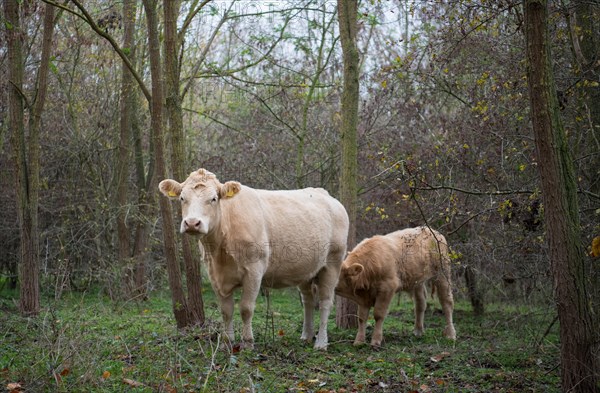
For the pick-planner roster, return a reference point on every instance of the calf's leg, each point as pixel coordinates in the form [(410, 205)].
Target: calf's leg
[(382, 304), (420, 299), (308, 303), (444, 290), (363, 315)]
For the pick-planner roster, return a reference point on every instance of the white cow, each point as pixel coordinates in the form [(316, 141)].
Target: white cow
[(272, 238)]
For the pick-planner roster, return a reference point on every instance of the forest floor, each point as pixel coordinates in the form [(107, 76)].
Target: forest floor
[(87, 343)]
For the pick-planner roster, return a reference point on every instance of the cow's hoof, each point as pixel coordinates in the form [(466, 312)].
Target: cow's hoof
[(450, 333), (418, 333), (307, 338), (358, 343), (376, 344), (321, 346), (247, 345)]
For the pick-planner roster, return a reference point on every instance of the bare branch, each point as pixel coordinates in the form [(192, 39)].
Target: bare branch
[(85, 16)]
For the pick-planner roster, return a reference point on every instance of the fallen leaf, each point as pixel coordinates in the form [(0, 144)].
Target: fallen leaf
[(65, 372), (106, 374), (14, 386), (133, 383), (281, 332), (170, 389), (437, 358)]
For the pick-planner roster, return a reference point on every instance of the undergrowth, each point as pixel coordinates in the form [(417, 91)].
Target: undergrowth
[(86, 343)]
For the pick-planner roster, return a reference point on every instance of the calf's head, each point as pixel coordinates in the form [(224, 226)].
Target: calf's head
[(350, 280), (200, 195)]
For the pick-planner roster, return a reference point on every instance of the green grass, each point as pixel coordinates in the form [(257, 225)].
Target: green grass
[(87, 343)]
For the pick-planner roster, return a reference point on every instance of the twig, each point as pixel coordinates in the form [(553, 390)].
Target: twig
[(547, 330)]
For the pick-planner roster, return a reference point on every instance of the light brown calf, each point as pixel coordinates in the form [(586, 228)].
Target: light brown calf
[(404, 260)]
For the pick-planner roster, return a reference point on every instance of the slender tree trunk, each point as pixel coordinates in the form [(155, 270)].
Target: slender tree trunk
[(28, 268), (191, 254), (559, 188), (124, 151), (26, 151), (475, 295), (173, 271), (140, 244), (586, 41), (346, 310)]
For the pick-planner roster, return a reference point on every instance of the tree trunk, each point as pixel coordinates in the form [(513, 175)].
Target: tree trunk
[(191, 254), (346, 310), (475, 295), (559, 189), (173, 270), (124, 151), (26, 153)]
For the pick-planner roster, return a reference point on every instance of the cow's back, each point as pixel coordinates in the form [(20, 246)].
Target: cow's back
[(297, 229), (421, 254)]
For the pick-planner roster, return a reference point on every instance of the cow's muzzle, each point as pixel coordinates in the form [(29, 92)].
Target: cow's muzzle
[(191, 225)]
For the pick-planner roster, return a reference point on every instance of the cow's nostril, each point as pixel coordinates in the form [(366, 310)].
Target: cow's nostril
[(192, 224)]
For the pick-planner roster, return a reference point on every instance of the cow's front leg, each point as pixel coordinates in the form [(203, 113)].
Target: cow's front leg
[(308, 303), (226, 303), (250, 290), (327, 280), (382, 304), (363, 316)]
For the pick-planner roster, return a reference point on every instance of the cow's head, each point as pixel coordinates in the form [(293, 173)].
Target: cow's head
[(352, 278), (200, 195)]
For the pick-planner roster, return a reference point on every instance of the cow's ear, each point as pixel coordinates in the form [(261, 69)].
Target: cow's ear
[(355, 269), (229, 189), (355, 274), (170, 188)]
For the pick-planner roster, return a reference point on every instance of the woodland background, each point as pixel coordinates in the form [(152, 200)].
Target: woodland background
[(444, 134)]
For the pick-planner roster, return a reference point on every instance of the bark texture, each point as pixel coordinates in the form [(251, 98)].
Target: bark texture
[(191, 254), (26, 147), (346, 310), (559, 188), (173, 270)]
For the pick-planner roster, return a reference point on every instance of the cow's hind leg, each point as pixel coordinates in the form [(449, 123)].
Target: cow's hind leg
[(444, 291), (327, 280), (308, 302), (420, 300)]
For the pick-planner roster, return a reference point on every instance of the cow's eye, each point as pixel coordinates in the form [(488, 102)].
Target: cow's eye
[(213, 200), (181, 198)]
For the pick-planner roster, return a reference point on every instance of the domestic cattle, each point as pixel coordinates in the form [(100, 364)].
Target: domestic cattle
[(257, 237), (404, 260)]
